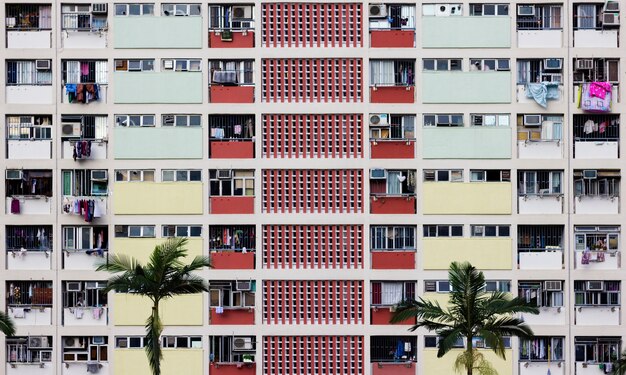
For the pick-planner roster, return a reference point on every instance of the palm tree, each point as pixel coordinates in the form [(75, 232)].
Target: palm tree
[(471, 312), (163, 277), (6, 325), (619, 366)]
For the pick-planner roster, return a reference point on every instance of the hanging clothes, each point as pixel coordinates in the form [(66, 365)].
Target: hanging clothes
[(15, 206)]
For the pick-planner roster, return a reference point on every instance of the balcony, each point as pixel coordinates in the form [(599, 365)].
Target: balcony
[(231, 205), (392, 38), (28, 26), (385, 204), (231, 38), (24, 358), (165, 142), (232, 247), (231, 191), (231, 94), (399, 361), (29, 303), (476, 142), (29, 259), (70, 94), (158, 87), (587, 103), (591, 368), (146, 198), (540, 38), (542, 93), (445, 364), (382, 316), (392, 148), (591, 38), (548, 259), (231, 137), (132, 310), (85, 316), (29, 149), (483, 253), (156, 32), (392, 191), (452, 87), (223, 316), (596, 191), (466, 32), (83, 259), (541, 368), (393, 260), (552, 316), (141, 248), (28, 205), (392, 81), (175, 361), (598, 260), (82, 28), (393, 27), (597, 315), (538, 204), (394, 368), (231, 148), (232, 260), (392, 94), (98, 149), (29, 94), (467, 198), (225, 368)]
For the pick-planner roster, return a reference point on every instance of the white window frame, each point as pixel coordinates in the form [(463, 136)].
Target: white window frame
[(181, 65), (85, 175), (173, 175), (438, 227), (139, 65), (498, 9), (448, 68), (165, 229), (180, 9), (76, 233), (480, 64), (481, 230), (443, 120), (144, 175), (145, 231), (144, 9), (126, 340), (490, 120), (173, 341), (382, 233), (497, 286), (436, 175), (551, 183), (23, 127), (130, 120), (173, 120)]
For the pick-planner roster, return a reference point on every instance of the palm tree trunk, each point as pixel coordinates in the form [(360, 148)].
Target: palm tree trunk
[(153, 339), (470, 357)]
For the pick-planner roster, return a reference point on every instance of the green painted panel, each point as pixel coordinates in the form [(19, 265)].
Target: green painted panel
[(467, 143), (157, 32), (158, 143), (158, 87), (466, 32), (466, 87)]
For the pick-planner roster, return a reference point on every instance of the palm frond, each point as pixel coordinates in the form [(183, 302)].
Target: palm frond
[(508, 326), (6, 324), (619, 366), (447, 338), (152, 340)]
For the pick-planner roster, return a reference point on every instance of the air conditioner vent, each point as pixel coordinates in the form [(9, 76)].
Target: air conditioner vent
[(378, 10)]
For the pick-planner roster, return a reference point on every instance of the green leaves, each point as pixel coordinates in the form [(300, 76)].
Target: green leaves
[(6, 325)]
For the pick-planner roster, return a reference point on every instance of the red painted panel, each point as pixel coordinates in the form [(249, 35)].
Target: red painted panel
[(403, 368), (231, 205), (232, 369), (392, 94), (232, 316), (393, 260), (392, 38), (232, 94), (240, 40), (231, 260), (232, 150), (400, 149), (382, 316), (392, 205)]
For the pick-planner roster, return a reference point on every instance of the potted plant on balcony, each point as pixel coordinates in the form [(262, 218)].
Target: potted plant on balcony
[(248, 358)]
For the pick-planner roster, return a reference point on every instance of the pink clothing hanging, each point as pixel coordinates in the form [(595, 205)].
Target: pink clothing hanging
[(599, 89)]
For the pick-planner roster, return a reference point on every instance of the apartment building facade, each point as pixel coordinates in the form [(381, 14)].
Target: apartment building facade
[(332, 158)]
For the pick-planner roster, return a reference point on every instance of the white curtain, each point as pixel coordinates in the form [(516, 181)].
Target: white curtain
[(25, 72), (101, 127), (408, 12), (586, 16), (391, 293), (45, 17), (382, 72), (394, 185), (72, 74), (102, 70)]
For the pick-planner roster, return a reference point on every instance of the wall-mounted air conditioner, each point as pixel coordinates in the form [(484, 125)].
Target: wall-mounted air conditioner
[(242, 11), (525, 10), (610, 19), (532, 120), (14, 174), (378, 10), (242, 343), (100, 8), (70, 129), (100, 175), (224, 173), (42, 64), (595, 285), (584, 64), (379, 119), (552, 285), (378, 174), (590, 174)]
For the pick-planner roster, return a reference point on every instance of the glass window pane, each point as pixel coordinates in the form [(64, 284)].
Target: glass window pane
[(168, 175), (182, 175)]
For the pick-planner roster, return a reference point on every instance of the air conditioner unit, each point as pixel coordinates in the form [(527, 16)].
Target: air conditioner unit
[(14, 174), (556, 286), (590, 174), (243, 285), (168, 64), (242, 343), (595, 285), (70, 130), (553, 64), (72, 343), (242, 12), (224, 173), (74, 286), (38, 342), (611, 6), (100, 175), (100, 8), (378, 10), (42, 64), (525, 10), (97, 340), (532, 120), (584, 64), (379, 119), (378, 174), (610, 19), (430, 286)]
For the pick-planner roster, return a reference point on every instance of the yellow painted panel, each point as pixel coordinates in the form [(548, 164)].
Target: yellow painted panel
[(445, 365), (483, 253), (175, 361), (467, 198), (141, 248), (157, 198), (133, 310), (442, 298)]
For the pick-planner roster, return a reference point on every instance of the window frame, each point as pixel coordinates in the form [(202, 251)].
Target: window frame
[(129, 172)]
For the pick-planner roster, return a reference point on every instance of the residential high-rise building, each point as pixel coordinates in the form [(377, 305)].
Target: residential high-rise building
[(333, 158)]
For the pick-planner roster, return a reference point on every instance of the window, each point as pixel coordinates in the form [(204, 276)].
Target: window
[(28, 17), (490, 175), (594, 128), (489, 119), (134, 120), (179, 175), (589, 16), (28, 182), (34, 72), (223, 17), (134, 9), (489, 64), (443, 120), (181, 120), (384, 182), (387, 293), (226, 182), (442, 64), (229, 127), (181, 9), (405, 348), (134, 231), (85, 349), (477, 342), (601, 184), (597, 238), (442, 10), (29, 237), (498, 286), (84, 294), (489, 9), (29, 350), (17, 293), (232, 72), (539, 237), (539, 71), (490, 230), (129, 342), (181, 65), (85, 183), (231, 294), (541, 293), (27, 127), (392, 238), (85, 71), (79, 17), (182, 230), (452, 175), (539, 17), (596, 293), (539, 128), (392, 72), (399, 17), (540, 182), (439, 286), (134, 175), (146, 65), (181, 342), (85, 238), (392, 126), (232, 237), (443, 230), (595, 350), (221, 348), (599, 70)]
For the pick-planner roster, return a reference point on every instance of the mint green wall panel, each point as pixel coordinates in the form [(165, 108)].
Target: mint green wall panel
[(158, 87), (466, 87), (157, 32), (466, 32), (158, 143), (466, 143)]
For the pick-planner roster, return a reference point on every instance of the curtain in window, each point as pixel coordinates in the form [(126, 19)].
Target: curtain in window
[(556, 182), (523, 72), (382, 73), (408, 13), (45, 17), (376, 293), (554, 21), (394, 185), (101, 127), (102, 70), (72, 72), (391, 293), (586, 16)]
